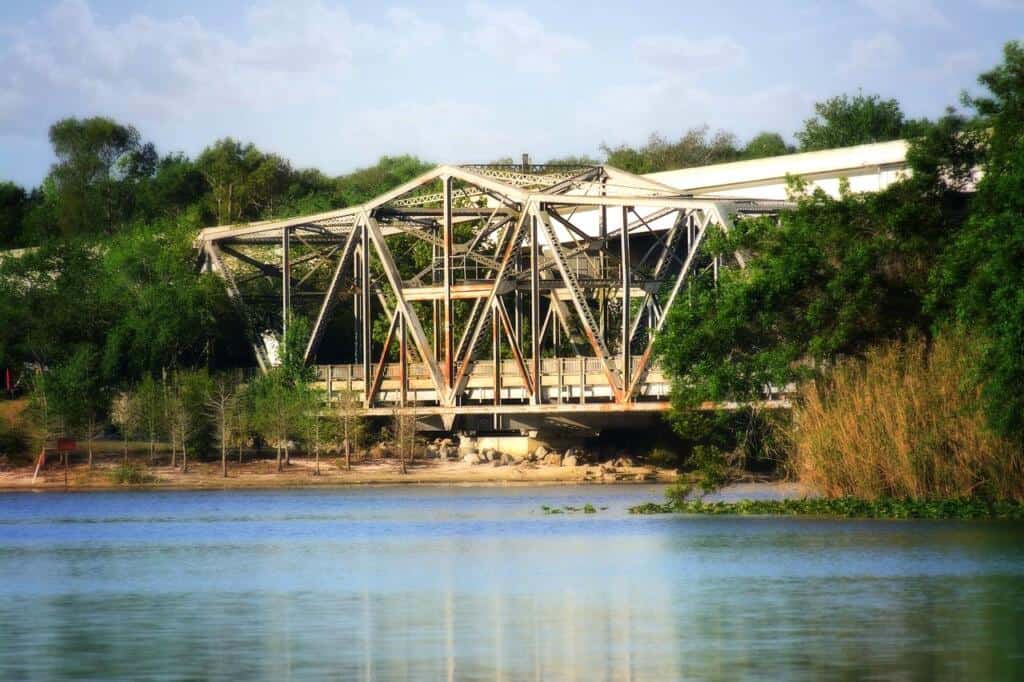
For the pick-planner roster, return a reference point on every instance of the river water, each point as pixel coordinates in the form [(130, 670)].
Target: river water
[(434, 583)]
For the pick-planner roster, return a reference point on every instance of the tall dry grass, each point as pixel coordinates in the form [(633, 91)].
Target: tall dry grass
[(903, 423)]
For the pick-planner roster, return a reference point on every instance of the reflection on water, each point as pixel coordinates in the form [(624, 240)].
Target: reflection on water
[(466, 583)]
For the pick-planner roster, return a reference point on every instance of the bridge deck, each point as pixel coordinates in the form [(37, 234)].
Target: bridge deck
[(575, 384)]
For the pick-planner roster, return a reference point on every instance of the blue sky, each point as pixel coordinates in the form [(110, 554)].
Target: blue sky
[(337, 84)]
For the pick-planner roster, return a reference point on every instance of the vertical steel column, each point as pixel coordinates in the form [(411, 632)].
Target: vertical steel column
[(602, 231), (435, 309), (535, 330), (624, 252), (286, 286), (364, 296), (403, 360), (448, 364), (357, 316), (496, 357)]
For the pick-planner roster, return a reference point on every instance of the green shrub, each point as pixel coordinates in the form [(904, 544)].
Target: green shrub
[(664, 458), (130, 474), (13, 440)]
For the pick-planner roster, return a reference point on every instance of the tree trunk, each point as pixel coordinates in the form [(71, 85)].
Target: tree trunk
[(279, 457), (287, 454), (224, 461), (184, 457), (348, 455), (89, 442), (239, 454), (126, 449), (317, 470)]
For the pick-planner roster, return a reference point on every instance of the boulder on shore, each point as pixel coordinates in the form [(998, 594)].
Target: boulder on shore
[(540, 453), (553, 459), (570, 461)]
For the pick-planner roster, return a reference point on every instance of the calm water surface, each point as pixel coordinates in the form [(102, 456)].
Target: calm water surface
[(477, 583)]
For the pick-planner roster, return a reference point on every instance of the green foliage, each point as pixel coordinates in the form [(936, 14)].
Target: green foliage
[(695, 148), (766, 144), (979, 279), (99, 162), (73, 392), (969, 508), (14, 203), (13, 440), (130, 474), (186, 410), (244, 182), (826, 279), (364, 184), (845, 121)]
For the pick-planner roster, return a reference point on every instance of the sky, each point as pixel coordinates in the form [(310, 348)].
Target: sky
[(336, 85)]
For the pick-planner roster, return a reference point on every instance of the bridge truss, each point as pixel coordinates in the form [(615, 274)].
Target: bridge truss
[(482, 289)]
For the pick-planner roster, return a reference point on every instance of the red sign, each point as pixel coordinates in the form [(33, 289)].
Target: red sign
[(65, 445)]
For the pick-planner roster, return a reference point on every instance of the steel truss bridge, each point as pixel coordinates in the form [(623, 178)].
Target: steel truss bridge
[(479, 293)]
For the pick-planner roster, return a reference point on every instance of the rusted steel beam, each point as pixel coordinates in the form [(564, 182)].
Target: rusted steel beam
[(286, 284), (378, 374), (511, 247), (584, 315), (513, 343), (402, 305)]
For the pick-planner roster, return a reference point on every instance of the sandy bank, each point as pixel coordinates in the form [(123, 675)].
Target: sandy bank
[(264, 474)]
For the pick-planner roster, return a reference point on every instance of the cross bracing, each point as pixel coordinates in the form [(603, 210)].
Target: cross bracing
[(470, 287)]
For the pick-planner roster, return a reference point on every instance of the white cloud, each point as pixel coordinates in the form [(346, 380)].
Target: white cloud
[(1001, 4), (513, 37), (680, 54), (674, 104), (908, 12), (872, 53), (164, 70)]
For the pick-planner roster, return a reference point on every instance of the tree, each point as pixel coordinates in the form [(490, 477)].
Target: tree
[(244, 182), (979, 281), (403, 432), (845, 121), (126, 415), (277, 407), (14, 203), (74, 396), (366, 183), (766, 144), (828, 279), (150, 396), (695, 148), (351, 423), (221, 402), (98, 163), (187, 410)]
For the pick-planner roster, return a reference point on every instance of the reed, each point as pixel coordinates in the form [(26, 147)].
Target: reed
[(903, 423)]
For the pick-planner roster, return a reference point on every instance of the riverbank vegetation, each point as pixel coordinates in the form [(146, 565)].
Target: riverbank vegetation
[(893, 320), (885, 508)]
